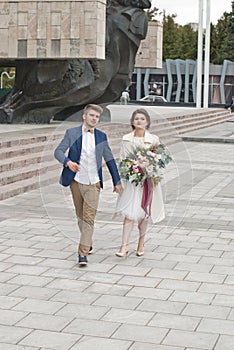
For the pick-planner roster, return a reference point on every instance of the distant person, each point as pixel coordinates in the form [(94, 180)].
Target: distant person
[(124, 97), (230, 106), (82, 171)]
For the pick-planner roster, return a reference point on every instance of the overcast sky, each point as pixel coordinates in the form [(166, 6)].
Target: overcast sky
[(187, 10)]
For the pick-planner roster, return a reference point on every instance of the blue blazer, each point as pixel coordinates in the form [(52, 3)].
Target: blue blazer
[(73, 141)]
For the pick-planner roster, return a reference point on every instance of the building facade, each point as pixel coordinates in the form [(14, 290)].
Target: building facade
[(177, 82), (52, 29)]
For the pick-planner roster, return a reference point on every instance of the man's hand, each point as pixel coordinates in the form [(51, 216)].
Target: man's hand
[(73, 166), (118, 189)]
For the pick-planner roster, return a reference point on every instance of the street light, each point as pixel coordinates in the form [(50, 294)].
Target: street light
[(207, 56), (8, 76), (200, 56)]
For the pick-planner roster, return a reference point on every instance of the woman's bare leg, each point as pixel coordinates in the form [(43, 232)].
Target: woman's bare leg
[(127, 229), (142, 226)]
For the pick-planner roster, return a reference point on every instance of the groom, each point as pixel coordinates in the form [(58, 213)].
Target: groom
[(82, 171)]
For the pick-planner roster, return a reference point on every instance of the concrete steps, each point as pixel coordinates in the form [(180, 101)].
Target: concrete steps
[(27, 162), (169, 133), (29, 184), (169, 129)]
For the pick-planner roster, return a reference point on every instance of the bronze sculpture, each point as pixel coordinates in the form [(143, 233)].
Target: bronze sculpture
[(46, 87)]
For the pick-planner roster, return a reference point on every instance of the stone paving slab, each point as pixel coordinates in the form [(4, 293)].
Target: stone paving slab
[(178, 296)]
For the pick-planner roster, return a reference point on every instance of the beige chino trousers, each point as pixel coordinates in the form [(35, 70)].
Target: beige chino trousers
[(85, 199)]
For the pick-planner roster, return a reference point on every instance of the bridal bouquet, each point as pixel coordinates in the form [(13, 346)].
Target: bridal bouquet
[(143, 164)]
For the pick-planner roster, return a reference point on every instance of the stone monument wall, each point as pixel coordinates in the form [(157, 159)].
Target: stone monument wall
[(149, 54), (52, 29)]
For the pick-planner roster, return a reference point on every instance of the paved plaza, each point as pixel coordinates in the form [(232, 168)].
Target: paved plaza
[(178, 296)]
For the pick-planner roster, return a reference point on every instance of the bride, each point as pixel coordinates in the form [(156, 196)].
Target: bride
[(130, 201)]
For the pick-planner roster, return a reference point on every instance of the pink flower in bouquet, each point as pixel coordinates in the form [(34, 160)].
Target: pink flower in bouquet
[(144, 165), (151, 154), (136, 170)]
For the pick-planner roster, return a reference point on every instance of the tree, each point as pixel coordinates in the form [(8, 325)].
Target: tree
[(222, 38), (187, 43), (181, 41), (178, 41), (152, 13), (214, 45), (227, 45), (170, 37)]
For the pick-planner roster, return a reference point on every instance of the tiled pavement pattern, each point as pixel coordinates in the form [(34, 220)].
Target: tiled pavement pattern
[(179, 296)]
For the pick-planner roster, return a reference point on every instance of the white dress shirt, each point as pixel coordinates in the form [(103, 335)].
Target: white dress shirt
[(88, 173)]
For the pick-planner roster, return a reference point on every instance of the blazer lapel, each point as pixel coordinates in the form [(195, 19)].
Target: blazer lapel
[(79, 142), (98, 147)]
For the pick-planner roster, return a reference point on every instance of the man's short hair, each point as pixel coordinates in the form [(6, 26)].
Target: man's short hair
[(96, 108)]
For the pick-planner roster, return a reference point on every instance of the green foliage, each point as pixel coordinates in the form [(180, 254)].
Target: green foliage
[(170, 37), (187, 42), (178, 41), (7, 83), (222, 38), (152, 13), (144, 163), (215, 44), (181, 41), (227, 45)]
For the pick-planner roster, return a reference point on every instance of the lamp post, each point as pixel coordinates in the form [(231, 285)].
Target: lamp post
[(200, 56), (207, 57)]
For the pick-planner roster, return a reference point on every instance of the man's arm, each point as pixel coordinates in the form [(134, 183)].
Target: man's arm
[(62, 148), (112, 167), (60, 153)]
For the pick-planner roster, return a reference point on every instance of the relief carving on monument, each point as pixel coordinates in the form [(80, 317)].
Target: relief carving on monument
[(44, 88)]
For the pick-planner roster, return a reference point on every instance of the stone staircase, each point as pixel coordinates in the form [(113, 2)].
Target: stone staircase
[(168, 129), (27, 162)]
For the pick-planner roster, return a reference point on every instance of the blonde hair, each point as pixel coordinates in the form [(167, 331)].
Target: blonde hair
[(96, 108)]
